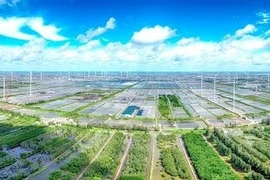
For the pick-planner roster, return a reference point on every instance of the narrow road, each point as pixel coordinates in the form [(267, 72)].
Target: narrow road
[(154, 136), (150, 157), (100, 151), (181, 143), (120, 167)]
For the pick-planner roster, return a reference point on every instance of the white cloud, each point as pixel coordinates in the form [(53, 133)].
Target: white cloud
[(264, 17), (10, 3), (267, 33), (49, 32), (11, 27), (186, 41), (153, 35), (91, 33), (248, 29), (110, 24), (250, 52)]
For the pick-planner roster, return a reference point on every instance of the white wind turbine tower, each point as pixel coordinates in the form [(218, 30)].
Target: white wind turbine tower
[(215, 87), (11, 75), (201, 84), (234, 92), (41, 76), (268, 77), (4, 87), (30, 81), (247, 79)]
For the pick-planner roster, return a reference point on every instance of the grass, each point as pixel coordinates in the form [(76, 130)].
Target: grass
[(206, 161)]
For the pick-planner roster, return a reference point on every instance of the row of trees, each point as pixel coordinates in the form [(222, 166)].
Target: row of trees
[(15, 138), (136, 164), (117, 127), (106, 163), (266, 121), (172, 159), (242, 153), (264, 148), (6, 160), (76, 165), (223, 150), (163, 106), (239, 164), (261, 157), (174, 100)]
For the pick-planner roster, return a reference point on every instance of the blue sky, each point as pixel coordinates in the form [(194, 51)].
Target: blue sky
[(142, 35)]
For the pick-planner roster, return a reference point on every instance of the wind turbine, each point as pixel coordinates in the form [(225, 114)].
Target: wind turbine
[(41, 78), (30, 83), (201, 76), (268, 77), (247, 77), (215, 86), (4, 87), (234, 92)]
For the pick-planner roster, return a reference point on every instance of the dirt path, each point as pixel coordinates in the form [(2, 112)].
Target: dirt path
[(100, 151), (150, 157), (120, 167), (193, 172), (154, 142)]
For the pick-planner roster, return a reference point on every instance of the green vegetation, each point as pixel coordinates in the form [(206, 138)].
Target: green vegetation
[(239, 164), (172, 159), (106, 163), (258, 114), (53, 146), (6, 160), (14, 122), (250, 97), (18, 175), (262, 147), (225, 116), (55, 175), (174, 100), (53, 142), (206, 161), (135, 167), (14, 138), (256, 99), (249, 149), (75, 165), (163, 106), (247, 155), (222, 149), (254, 176)]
